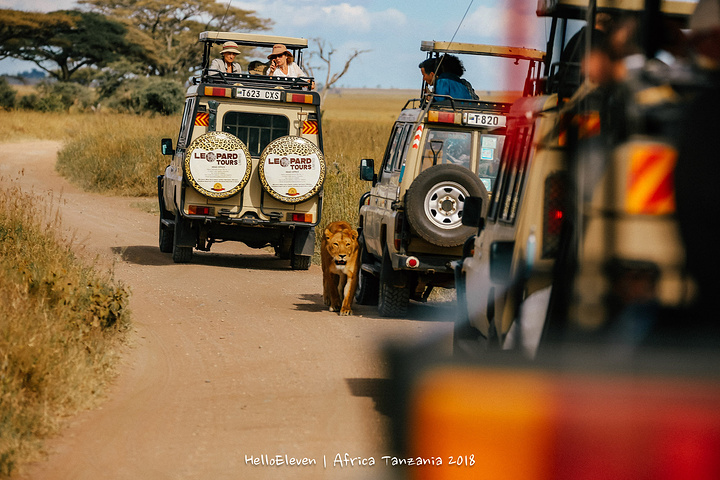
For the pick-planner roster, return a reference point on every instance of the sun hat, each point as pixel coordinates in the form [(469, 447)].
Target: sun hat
[(706, 16), (230, 47), (278, 49)]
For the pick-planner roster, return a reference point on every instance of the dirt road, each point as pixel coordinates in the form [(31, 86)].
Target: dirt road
[(232, 357)]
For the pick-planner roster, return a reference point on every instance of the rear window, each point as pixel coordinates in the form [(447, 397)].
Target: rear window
[(447, 147), (256, 130)]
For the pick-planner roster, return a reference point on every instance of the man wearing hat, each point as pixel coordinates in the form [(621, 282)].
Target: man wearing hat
[(226, 63)]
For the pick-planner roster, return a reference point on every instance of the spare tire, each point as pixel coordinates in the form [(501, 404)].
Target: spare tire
[(436, 200), (292, 169), (217, 164)]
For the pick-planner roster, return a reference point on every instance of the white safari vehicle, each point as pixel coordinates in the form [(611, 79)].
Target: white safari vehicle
[(440, 151), (248, 165)]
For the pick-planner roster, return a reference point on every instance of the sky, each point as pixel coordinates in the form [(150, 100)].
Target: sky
[(390, 31)]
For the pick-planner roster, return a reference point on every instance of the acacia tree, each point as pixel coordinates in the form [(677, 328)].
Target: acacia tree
[(168, 29), (325, 52), (63, 42)]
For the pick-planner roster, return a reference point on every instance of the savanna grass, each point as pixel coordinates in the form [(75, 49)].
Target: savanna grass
[(59, 323), (22, 125), (117, 154)]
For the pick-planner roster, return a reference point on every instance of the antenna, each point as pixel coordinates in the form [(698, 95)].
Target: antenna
[(454, 34), (222, 20)]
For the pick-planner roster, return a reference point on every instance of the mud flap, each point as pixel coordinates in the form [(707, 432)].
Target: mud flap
[(185, 235), (304, 241), (395, 278)]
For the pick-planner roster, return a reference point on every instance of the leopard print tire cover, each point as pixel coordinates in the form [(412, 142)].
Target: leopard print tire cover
[(292, 169), (218, 164)]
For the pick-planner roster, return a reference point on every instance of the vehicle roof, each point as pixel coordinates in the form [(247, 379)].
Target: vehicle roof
[(577, 9), (479, 49), (253, 39)]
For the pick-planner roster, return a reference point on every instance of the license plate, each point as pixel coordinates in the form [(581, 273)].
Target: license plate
[(258, 94), (485, 119)]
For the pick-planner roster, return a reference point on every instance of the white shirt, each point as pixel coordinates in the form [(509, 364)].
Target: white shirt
[(293, 71)]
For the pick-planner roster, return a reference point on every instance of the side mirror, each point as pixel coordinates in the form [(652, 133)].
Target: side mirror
[(472, 215), (166, 146), (367, 170)]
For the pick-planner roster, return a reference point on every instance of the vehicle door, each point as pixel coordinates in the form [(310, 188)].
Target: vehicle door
[(381, 207)]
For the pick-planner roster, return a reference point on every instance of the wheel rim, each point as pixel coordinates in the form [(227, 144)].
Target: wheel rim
[(444, 204)]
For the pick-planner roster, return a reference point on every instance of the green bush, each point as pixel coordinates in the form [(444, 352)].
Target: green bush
[(29, 102), (59, 97), (7, 95)]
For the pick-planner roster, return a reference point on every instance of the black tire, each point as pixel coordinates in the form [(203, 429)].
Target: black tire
[(367, 289), (435, 203), (180, 254), (166, 238), (300, 262), (368, 284), (393, 301)]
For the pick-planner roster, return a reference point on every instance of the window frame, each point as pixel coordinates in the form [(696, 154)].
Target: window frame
[(275, 132)]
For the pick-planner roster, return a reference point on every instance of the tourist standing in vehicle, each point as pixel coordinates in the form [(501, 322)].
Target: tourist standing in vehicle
[(227, 64), (444, 74), (282, 63)]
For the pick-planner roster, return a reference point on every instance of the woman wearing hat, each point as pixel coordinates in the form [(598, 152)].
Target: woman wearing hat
[(226, 63), (282, 63)]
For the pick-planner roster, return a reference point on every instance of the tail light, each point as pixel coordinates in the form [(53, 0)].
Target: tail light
[(301, 217), (397, 237), (299, 98), (218, 92), (554, 211), (513, 424), (444, 117), (200, 210)]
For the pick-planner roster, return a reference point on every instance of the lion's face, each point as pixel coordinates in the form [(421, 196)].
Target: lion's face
[(341, 246)]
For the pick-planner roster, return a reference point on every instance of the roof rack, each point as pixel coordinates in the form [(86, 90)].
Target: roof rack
[(254, 39), (479, 49), (252, 80), (577, 9)]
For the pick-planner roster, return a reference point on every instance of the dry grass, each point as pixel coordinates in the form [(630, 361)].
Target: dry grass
[(59, 322), (21, 125), (117, 153)]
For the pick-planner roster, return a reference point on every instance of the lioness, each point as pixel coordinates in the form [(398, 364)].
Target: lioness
[(339, 256)]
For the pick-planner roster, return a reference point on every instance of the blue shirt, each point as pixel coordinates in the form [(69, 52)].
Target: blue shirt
[(451, 85)]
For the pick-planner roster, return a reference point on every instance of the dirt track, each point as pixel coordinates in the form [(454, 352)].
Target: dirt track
[(231, 356)]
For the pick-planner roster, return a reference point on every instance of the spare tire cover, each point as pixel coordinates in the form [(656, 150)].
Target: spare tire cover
[(292, 169), (217, 164)]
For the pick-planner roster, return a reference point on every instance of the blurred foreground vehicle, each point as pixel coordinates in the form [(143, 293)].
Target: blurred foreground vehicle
[(441, 151), (570, 415), (585, 182), (618, 380), (248, 165)]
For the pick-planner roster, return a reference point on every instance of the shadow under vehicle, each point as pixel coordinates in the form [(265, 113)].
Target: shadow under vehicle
[(441, 151), (248, 165), (567, 194)]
